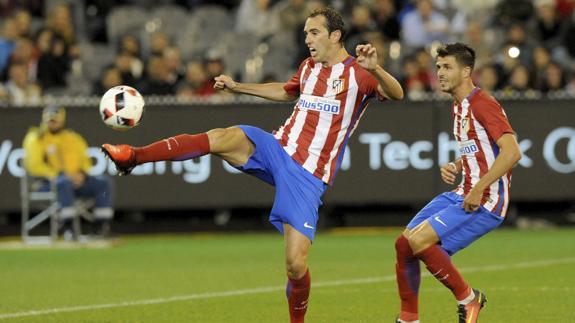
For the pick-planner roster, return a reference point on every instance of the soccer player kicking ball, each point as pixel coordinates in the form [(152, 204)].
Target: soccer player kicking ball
[(303, 156), (453, 220)]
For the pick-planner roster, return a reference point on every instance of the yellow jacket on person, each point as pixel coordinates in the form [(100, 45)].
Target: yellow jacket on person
[(48, 154)]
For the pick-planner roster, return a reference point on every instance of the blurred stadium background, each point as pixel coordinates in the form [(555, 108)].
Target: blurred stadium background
[(70, 52)]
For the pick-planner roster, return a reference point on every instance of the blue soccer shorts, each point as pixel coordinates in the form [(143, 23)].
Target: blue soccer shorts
[(456, 228), (298, 193)]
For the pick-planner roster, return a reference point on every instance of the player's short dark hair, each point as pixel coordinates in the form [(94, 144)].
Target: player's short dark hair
[(464, 55), (333, 18)]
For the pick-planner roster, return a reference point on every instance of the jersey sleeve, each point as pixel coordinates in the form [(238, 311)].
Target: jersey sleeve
[(292, 87), (491, 115), (368, 84)]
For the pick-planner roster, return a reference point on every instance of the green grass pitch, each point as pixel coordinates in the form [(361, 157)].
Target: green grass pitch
[(528, 276)]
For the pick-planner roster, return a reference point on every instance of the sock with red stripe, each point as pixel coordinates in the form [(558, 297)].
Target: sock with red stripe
[(176, 148), (297, 292), (440, 266), (408, 276)]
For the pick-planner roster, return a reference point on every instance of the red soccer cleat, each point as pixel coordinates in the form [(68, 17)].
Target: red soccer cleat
[(470, 312), (123, 157)]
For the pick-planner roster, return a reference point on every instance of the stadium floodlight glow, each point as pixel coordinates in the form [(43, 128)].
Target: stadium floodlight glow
[(513, 52)]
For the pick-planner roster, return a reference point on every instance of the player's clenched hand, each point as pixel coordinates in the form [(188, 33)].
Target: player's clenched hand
[(449, 173), (366, 56), (472, 200), (224, 82)]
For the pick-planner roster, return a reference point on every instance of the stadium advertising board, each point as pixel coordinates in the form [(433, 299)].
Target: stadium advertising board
[(393, 157)]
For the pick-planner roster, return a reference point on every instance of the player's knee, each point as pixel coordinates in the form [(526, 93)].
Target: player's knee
[(417, 242), (296, 266), (402, 246)]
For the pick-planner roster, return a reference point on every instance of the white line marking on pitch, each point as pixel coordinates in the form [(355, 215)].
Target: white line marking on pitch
[(369, 280)]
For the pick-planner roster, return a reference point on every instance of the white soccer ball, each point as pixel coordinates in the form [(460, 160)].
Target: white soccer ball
[(121, 107)]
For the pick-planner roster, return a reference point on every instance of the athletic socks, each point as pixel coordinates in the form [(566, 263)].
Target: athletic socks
[(439, 264), (176, 148), (408, 275), (297, 292)]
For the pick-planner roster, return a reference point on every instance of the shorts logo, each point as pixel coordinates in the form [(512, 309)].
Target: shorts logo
[(318, 103), (308, 226), (439, 220)]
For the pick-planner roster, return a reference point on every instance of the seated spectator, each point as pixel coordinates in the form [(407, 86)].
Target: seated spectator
[(130, 68), (59, 154), (424, 25), (489, 79), (256, 17), (361, 24), (547, 26), (541, 59), (386, 19), (157, 80), (519, 79), (8, 36), (19, 90), (196, 82), (292, 13), (54, 61), (173, 60), (111, 77), (158, 43), (554, 78)]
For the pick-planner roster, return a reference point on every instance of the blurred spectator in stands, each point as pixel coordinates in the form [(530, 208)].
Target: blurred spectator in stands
[(130, 68), (547, 26), (541, 59), (424, 25), (60, 22), (554, 78), (23, 23), (158, 43), (426, 69), (157, 79), (8, 7), (130, 44), (412, 81), (565, 8), (519, 79), (54, 62), (215, 66), (513, 11), (386, 19), (110, 78), (24, 53), (517, 37), (19, 89), (489, 78), (256, 17), (360, 24), (60, 154), (173, 60), (196, 82), (482, 40), (292, 13), (8, 36)]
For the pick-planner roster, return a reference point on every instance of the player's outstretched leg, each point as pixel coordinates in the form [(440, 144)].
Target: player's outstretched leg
[(230, 144), (299, 281), (408, 277)]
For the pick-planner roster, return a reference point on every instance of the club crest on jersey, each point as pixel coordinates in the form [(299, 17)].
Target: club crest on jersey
[(465, 124), (337, 85)]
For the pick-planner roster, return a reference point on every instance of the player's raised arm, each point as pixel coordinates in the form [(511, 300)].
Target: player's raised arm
[(389, 87), (270, 91)]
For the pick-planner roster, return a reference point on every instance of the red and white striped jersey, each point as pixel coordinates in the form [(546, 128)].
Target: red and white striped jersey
[(331, 102), (478, 122)]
